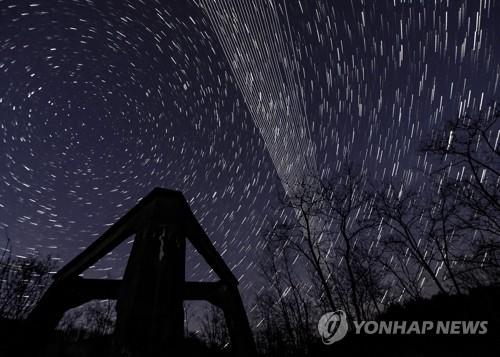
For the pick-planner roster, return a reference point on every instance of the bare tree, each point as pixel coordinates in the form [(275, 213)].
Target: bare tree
[(23, 281), (214, 330), (339, 243), (95, 318), (285, 301), (402, 214), (466, 159), (350, 200), (300, 228), (327, 224), (101, 317)]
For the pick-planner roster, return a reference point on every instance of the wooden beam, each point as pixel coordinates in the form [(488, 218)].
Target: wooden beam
[(166, 206), (209, 291), (204, 246), (116, 234)]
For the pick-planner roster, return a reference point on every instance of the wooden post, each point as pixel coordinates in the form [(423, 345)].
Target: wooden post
[(237, 323), (133, 323), (168, 317)]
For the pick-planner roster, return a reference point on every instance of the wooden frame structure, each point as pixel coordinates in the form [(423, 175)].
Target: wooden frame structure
[(150, 315)]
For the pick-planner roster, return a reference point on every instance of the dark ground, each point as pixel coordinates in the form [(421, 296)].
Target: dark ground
[(481, 304)]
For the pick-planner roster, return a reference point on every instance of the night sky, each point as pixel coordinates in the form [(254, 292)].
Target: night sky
[(101, 101)]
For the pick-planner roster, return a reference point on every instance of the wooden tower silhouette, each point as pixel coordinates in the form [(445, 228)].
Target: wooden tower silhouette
[(150, 315)]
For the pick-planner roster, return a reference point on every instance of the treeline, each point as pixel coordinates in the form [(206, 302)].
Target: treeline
[(347, 242)]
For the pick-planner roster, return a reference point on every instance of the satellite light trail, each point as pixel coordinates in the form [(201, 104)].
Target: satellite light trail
[(261, 54)]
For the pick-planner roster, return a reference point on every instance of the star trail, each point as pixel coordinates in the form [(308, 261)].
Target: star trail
[(101, 101)]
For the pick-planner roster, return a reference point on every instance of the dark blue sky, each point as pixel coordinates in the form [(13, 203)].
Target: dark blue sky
[(101, 101)]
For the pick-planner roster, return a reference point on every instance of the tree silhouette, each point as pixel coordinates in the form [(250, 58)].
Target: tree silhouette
[(22, 282), (466, 155)]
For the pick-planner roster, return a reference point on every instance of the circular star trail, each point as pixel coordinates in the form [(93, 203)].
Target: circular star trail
[(101, 101)]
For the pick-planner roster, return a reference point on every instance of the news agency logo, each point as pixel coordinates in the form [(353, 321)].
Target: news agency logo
[(333, 326)]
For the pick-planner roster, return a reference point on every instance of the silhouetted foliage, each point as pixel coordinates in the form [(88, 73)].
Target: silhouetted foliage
[(344, 242), (214, 330), (23, 281), (96, 318)]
